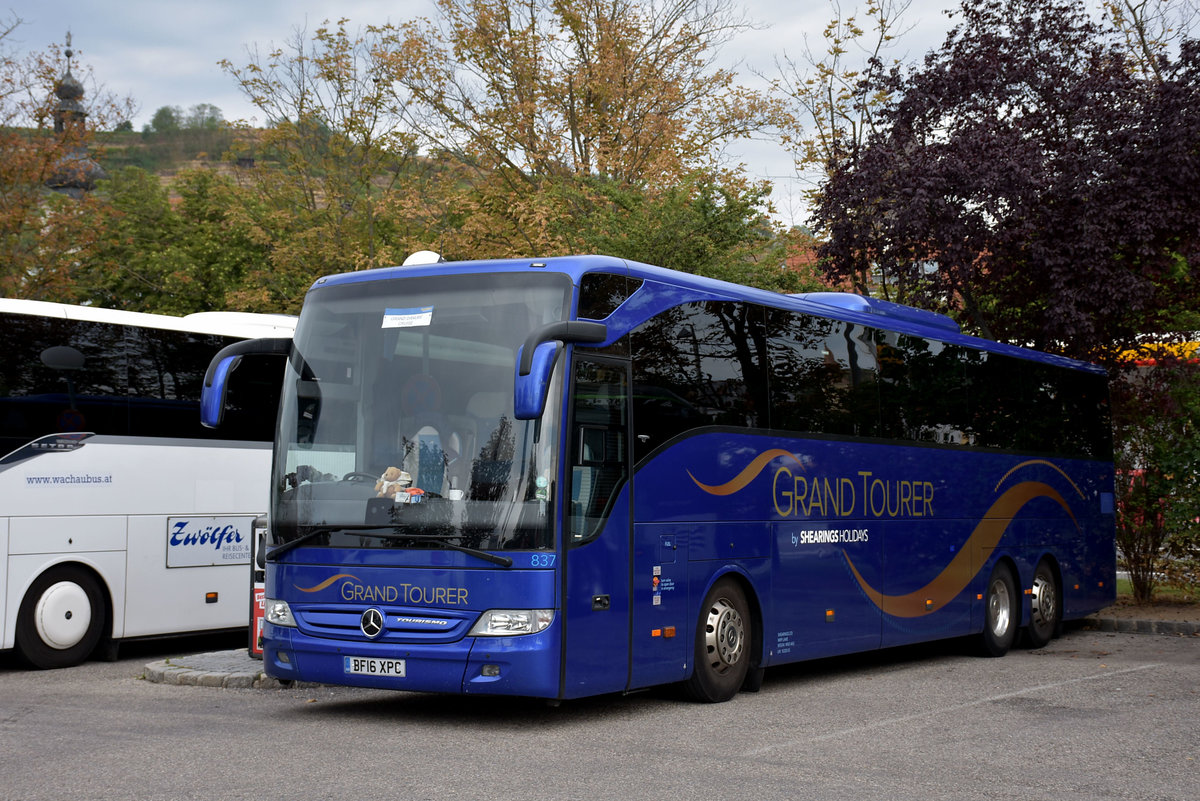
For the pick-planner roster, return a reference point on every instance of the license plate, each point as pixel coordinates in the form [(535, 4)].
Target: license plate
[(363, 666)]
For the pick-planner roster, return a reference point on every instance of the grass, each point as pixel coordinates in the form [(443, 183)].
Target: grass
[(1162, 593)]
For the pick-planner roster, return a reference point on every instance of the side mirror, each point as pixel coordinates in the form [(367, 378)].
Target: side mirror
[(216, 378), (535, 361), (530, 399)]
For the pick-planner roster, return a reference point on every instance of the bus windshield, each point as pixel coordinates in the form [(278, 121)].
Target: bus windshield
[(397, 415)]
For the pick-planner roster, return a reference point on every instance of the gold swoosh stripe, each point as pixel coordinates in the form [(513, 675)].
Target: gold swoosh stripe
[(326, 582), (958, 574), (1043, 463), (748, 474)]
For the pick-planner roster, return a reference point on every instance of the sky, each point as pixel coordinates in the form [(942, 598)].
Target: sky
[(165, 52)]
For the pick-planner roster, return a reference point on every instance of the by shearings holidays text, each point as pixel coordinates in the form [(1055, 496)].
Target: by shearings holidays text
[(829, 536)]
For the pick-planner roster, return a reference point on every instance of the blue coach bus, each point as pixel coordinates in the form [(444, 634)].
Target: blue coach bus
[(586, 475)]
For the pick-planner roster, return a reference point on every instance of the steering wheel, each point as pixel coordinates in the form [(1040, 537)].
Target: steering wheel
[(354, 475)]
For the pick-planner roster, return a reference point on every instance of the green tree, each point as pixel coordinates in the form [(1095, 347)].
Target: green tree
[(203, 117), (1156, 414), (698, 226), (334, 152), (126, 269), (528, 95), (174, 258), (167, 120)]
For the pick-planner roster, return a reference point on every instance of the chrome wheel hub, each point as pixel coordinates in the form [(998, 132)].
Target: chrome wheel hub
[(999, 609), (1044, 604), (725, 635)]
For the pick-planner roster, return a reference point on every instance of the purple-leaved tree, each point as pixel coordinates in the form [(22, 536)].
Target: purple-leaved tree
[(1027, 179)]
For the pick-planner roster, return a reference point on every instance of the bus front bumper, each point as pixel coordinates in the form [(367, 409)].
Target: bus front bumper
[(525, 665)]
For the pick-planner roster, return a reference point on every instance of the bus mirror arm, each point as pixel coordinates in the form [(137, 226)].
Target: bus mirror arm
[(536, 362), (264, 346), (216, 377), (563, 331)]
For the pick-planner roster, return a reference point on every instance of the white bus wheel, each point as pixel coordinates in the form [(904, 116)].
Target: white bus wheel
[(61, 618)]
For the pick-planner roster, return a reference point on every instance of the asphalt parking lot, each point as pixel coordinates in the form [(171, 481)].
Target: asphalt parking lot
[(1095, 714)]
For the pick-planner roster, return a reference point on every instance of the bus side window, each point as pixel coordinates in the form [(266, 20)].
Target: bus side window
[(599, 453)]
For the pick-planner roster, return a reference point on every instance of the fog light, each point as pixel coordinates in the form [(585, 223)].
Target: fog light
[(490, 670), (284, 658)]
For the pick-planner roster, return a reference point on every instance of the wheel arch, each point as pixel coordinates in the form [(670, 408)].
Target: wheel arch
[(1013, 565)]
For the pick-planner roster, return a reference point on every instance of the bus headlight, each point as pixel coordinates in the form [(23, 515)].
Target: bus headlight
[(511, 622), (279, 613)]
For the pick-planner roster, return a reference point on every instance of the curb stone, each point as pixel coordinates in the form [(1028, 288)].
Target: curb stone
[(238, 670), (224, 669)]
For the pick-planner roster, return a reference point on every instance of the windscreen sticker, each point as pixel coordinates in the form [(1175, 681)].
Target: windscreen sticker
[(407, 318)]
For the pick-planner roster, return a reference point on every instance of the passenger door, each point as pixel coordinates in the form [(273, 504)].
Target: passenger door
[(596, 530)]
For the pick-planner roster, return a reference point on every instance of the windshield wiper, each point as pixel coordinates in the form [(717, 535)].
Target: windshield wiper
[(280, 550), (388, 533), (496, 559)]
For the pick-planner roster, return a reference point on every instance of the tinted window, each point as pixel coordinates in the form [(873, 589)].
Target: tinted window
[(599, 457), (61, 376), (822, 376), (699, 364), (601, 293), (921, 392)]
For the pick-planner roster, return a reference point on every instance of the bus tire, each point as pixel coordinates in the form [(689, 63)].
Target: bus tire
[(1001, 612), (61, 618), (723, 637), (1045, 607)]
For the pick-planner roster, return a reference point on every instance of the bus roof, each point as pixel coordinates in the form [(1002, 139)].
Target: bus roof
[(845, 306), (234, 324)]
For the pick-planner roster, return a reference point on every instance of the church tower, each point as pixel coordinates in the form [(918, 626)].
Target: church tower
[(76, 172)]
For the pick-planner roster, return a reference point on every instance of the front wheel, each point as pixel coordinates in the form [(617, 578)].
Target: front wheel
[(722, 651), (1045, 607), (61, 618), (1001, 612)]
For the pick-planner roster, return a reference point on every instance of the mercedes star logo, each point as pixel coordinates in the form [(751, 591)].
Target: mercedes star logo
[(371, 623)]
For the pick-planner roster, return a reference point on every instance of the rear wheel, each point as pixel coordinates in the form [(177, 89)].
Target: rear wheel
[(61, 618), (1001, 612), (1045, 612), (722, 652)]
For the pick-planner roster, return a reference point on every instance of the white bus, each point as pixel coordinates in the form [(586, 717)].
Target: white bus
[(120, 515)]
